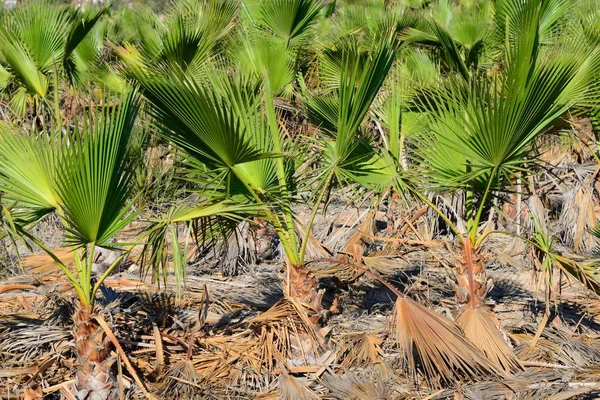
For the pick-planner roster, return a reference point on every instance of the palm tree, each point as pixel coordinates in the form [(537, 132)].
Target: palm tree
[(40, 47), (481, 133), (228, 128), (86, 179), (185, 39)]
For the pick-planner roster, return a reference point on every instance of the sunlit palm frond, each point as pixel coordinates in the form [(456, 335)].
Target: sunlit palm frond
[(94, 180), (346, 151), (28, 168), (290, 20), (444, 354)]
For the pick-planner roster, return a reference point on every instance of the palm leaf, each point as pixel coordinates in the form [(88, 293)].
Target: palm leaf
[(290, 20), (27, 166), (95, 183)]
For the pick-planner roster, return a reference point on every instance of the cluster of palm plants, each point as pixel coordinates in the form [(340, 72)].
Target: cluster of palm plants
[(265, 106)]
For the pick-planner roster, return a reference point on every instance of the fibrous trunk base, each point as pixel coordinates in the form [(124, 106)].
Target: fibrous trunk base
[(472, 284), (93, 378), (303, 286)]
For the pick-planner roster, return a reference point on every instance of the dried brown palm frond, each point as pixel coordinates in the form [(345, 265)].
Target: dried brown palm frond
[(30, 337), (351, 386), (385, 264), (230, 253), (293, 389), (315, 250), (252, 356), (482, 331), (229, 359), (531, 384), (360, 350), (557, 347), (293, 328), (443, 354), (361, 233), (183, 382), (578, 216)]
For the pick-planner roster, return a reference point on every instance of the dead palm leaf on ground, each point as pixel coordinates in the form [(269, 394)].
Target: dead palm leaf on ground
[(293, 388), (556, 347), (435, 346), (254, 353), (361, 350), (482, 330), (351, 386)]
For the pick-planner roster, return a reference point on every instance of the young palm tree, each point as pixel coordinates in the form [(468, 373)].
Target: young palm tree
[(185, 39), (482, 134), (40, 47), (228, 126), (85, 178)]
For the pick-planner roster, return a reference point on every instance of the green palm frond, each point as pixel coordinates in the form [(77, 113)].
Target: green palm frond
[(347, 153), (79, 32), (94, 182), (289, 20), (210, 124), (510, 14), (258, 52), (482, 133), (184, 40), (28, 170), (39, 44)]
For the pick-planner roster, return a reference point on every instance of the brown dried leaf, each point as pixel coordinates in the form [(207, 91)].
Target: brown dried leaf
[(481, 330), (292, 388), (444, 354), (363, 349)]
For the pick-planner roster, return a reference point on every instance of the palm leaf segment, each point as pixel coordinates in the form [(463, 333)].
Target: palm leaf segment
[(88, 181), (219, 123), (273, 37), (94, 178)]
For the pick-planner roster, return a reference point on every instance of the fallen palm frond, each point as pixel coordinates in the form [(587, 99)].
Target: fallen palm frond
[(443, 353), (432, 344), (556, 347), (533, 384), (482, 331), (292, 388), (254, 354), (362, 349), (351, 386)]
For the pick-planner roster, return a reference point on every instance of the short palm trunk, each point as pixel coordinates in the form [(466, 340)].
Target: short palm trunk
[(93, 378), (303, 286), (470, 275)]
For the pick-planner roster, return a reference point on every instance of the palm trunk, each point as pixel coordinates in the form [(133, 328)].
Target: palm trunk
[(93, 379), (302, 285), (470, 275)]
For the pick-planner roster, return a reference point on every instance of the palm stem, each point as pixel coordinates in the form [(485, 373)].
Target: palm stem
[(482, 204), (82, 297), (281, 174), (308, 227), (103, 278)]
